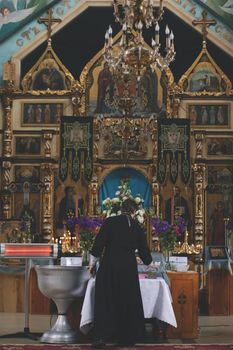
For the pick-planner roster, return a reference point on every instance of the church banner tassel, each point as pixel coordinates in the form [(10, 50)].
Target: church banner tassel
[(174, 169), (76, 167), (162, 169), (63, 167), (88, 167)]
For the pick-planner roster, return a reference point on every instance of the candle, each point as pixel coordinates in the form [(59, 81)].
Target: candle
[(76, 205), (172, 205)]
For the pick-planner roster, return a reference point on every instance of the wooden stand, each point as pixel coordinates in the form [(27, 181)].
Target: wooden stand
[(219, 293), (184, 290), (12, 294)]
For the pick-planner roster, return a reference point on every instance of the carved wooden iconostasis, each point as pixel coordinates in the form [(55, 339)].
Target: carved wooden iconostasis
[(49, 95)]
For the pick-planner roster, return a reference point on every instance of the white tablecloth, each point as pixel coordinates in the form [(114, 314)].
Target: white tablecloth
[(156, 299)]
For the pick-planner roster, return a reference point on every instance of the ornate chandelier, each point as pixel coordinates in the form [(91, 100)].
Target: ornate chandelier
[(131, 55)]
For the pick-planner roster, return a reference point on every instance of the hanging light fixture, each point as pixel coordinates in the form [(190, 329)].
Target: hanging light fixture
[(131, 56)]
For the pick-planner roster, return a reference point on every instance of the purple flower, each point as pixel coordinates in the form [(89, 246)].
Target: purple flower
[(168, 233), (85, 223), (22, 227)]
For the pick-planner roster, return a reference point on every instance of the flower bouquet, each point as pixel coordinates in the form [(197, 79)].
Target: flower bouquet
[(166, 233), (112, 206), (85, 228)]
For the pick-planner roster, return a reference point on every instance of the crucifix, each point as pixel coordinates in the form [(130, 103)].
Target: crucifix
[(48, 21), (205, 23)]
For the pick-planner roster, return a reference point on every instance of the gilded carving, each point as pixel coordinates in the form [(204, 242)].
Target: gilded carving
[(6, 167), (205, 78), (6, 205), (48, 76), (47, 201), (47, 144), (199, 140), (199, 187), (94, 196)]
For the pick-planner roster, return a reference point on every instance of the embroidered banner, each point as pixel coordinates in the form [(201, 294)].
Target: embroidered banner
[(173, 139), (76, 139)]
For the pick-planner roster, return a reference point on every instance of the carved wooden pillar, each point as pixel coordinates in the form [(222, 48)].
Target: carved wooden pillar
[(199, 140), (175, 107), (77, 102), (199, 189), (7, 153), (155, 196), (47, 201), (93, 195), (199, 212), (47, 137)]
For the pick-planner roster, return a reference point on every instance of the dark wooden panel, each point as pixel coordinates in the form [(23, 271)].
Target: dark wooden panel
[(218, 287), (184, 290)]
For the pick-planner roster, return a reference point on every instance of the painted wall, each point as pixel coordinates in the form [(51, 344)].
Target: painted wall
[(26, 35)]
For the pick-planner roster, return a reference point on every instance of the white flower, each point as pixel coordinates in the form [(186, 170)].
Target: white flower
[(104, 212), (141, 212), (113, 214), (137, 200), (119, 212), (117, 193), (106, 201), (124, 198), (115, 200), (140, 219)]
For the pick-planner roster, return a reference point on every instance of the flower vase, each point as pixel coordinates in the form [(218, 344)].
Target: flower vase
[(85, 257), (166, 254)]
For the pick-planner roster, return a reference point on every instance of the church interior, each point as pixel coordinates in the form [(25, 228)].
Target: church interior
[(105, 100)]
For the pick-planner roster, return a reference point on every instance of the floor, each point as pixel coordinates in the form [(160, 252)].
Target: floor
[(212, 330)]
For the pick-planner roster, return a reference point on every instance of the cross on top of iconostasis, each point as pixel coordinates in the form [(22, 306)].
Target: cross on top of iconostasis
[(48, 21), (205, 23)]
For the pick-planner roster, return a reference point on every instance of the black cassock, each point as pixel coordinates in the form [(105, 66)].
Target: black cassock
[(118, 312)]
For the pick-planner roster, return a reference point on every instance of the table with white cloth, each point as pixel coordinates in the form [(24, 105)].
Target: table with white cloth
[(156, 299)]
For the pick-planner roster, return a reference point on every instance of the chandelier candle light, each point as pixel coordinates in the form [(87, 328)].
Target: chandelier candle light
[(132, 56)]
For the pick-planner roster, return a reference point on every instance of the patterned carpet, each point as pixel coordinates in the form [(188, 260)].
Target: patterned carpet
[(138, 347)]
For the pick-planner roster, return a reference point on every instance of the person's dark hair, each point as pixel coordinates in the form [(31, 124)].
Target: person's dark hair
[(128, 206)]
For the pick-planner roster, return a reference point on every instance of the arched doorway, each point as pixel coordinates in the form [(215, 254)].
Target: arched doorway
[(138, 184)]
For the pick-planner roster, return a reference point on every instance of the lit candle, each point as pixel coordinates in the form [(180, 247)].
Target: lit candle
[(157, 33), (167, 33)]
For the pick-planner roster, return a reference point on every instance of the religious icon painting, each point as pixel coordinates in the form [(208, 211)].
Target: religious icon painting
[(204, 78), (219, 147), (220, 176), (9, 231), (209, 115), (219, 208), (27, 173), (42, 113), (218, 252), (28, 145), (219, 202), (32, 205), (104, 90)]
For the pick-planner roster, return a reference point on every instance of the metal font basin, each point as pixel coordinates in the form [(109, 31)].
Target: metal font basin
[(63, 284)]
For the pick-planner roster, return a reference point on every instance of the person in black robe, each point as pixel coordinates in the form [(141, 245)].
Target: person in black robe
[(118, 311)]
